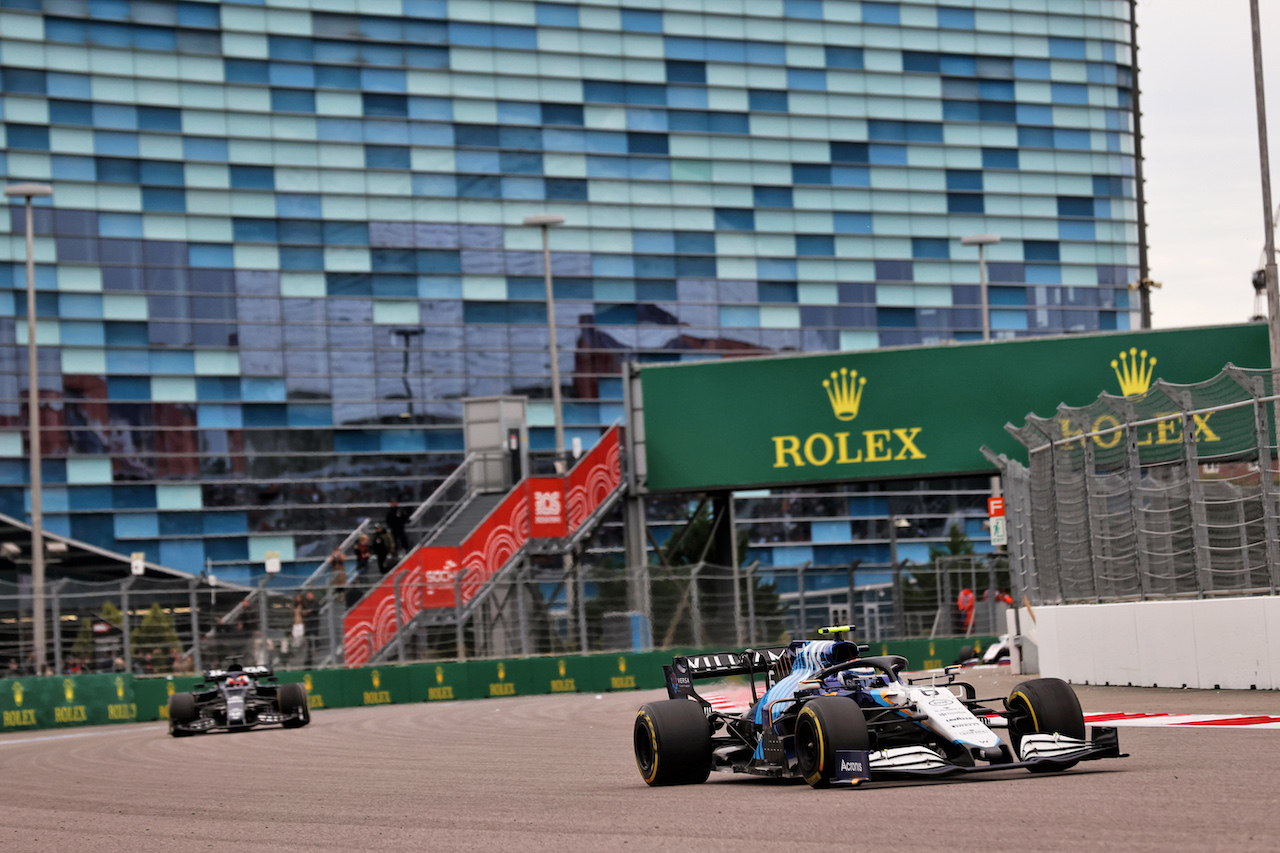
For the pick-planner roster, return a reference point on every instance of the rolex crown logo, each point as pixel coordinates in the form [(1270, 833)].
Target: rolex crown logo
[(119, 687), (377, 679), (502, 672), (17, 692), (69, 689), (1134, 371), (439, 675), (844, 390)]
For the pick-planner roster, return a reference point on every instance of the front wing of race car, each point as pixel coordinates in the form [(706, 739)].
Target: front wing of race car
[(1040, 752), (208, 722)]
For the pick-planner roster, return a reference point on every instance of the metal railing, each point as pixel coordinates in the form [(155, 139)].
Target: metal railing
[(539, 607), (1171, 494)]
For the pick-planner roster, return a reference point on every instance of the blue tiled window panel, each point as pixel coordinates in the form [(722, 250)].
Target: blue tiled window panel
[(844, 57), (23, 81), (852, 222), (965, 203), (767, 100), (556, 15), (1040, 250), (27, 137), (952, 18), (811, 173), (250, 177), (894, 271), (1075, 206), (734, 219), (493, 35), (816, 245), (887, 155), (1070, 93), (904, 131), (641, 21), (999, 158), (930, 247), (680, 71), (880, 13), (807, 79), (850, 152), (562, 114), (726, 50), (1067, 48), (772, 196), (964, 179), (810, 9), (608, 91)]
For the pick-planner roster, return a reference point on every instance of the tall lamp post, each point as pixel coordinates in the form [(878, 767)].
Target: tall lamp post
[(547, 221), (29, 192), (982, 241), (1268, 223)]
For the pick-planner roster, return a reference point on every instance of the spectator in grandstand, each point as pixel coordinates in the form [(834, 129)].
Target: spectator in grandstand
[(362, 552), (397, 518), (383, 547)]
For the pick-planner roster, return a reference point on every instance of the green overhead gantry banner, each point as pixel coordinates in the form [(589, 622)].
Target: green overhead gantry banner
[(899, 413)]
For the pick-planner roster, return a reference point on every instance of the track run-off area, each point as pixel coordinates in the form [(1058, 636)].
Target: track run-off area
[(557, 773)]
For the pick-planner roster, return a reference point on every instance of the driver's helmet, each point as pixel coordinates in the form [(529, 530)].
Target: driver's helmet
[(238, 681)]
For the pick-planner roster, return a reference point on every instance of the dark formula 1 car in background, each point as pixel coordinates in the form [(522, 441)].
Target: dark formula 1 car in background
[(236, 699), (830, 717)]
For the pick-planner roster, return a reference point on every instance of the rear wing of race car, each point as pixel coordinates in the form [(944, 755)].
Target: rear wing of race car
[(685, 669), (255, 671)]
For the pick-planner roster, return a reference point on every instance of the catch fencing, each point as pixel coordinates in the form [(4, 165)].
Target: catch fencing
[(147, 626), (1169, 494)]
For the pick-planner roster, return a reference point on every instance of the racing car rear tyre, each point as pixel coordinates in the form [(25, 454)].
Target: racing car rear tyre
[(673, 743), (182, 710), (823, 726), (293, 698), (1048, 706)]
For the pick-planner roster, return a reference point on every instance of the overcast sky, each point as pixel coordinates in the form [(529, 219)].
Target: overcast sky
[(1204, 196)]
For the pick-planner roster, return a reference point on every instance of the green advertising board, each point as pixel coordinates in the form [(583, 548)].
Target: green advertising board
[(82, 700), (899, 413)]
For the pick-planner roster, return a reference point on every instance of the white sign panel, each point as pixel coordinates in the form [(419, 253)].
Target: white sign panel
[(999, 533), (273, 562), (137, 562)]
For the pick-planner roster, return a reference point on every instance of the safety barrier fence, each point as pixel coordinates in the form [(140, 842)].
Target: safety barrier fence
[(1168, 494), (148, 626), (29, 704)]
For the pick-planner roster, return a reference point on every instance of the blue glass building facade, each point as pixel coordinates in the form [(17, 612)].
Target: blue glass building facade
[(285, 238)]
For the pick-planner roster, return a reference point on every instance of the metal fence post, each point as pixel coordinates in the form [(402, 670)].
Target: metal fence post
[(800, 597), (55, 606), (1268, 488), (695, 601), (582, 608), (399, 626), (739, 635), (196, 657), (262, 606), (1195, 490), (457, 605), (124, 626), (751, 603), (521, 610)]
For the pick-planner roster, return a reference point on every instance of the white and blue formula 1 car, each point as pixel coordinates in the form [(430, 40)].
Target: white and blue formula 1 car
[(832, 717)]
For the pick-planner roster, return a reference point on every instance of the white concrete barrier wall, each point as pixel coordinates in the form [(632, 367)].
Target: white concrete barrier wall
[(1227, 643)]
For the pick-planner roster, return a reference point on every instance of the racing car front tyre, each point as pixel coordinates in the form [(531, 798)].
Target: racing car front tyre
[(182, 710), (292, 699), (1046, 706), (673, 743), (824, 726)]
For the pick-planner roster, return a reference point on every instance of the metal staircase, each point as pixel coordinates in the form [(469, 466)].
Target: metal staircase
[(450, 575)]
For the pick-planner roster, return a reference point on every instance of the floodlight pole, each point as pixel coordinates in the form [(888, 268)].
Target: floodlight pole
[(1268, 221), (28, 192), (982, 241)]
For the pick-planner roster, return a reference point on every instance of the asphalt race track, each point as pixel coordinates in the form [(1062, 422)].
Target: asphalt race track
[(556, 773)]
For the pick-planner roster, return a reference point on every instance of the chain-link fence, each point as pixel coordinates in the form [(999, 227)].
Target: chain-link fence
[(147, 625), (1168, 494)]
